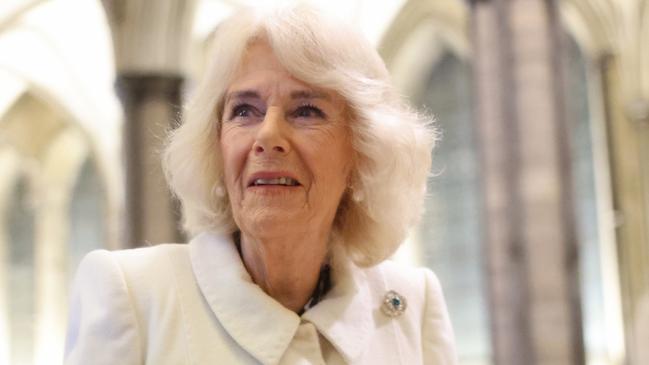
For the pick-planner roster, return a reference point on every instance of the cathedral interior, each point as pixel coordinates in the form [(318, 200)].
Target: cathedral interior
[(537, 214)]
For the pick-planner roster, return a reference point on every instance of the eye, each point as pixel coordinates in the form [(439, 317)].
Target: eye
[(242, 111), (308, 111)]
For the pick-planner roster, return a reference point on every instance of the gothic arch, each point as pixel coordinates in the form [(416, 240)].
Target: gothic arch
[(47, 149)]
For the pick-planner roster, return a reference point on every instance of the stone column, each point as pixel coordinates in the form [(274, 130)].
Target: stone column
[(52, 191), (531, 249), (151, 108), (628, 133), (151, 42)]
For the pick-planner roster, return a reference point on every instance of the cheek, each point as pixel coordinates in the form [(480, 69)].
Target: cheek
[(229, 163), (343, 152), (335, 162), (234, 152)]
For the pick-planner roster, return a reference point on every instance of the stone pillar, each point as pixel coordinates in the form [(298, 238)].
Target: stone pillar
[(151, 108), (531, 249), (628, 133), (53, 187), (51, 235), (151, 41)]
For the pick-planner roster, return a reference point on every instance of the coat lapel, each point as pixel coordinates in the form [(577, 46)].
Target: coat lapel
[(344, 316), (258, 323)]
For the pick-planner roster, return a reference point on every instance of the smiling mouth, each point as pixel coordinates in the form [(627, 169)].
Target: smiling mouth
[(280, 181)]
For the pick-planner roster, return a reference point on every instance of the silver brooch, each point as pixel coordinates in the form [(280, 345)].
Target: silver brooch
[(394, 304)]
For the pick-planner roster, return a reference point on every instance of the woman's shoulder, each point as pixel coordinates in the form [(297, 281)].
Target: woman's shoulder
[(417, 286), (113, 296), (140, 258), (419, 312), (140, 269), (426, 306), (407, 277)]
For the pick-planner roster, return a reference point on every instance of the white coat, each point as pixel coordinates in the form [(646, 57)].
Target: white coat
[(196, 304)]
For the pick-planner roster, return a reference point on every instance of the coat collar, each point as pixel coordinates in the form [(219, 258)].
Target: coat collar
[(258, 323), (262, 326), (344, 316)]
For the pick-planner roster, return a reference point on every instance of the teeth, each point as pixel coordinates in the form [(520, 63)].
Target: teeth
[(287, 181)]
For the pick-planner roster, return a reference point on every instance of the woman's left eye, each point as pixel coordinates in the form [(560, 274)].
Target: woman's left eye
[(309, 111)]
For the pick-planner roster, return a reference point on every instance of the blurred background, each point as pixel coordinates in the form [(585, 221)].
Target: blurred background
[(537, 219)]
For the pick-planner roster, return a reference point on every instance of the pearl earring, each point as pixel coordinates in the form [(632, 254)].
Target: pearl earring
[(357, 195), (218, 190)]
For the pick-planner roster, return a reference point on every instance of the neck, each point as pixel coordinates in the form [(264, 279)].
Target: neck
[(286, 266)]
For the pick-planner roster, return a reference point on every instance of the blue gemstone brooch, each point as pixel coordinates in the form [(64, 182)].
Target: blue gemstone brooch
[(394, 304)]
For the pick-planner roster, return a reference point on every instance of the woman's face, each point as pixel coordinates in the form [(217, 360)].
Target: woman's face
[(286, 148)]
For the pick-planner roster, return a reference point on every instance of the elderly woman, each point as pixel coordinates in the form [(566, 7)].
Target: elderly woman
[(300, 172)]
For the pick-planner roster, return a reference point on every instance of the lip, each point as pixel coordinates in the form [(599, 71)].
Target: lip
[(271, 175)]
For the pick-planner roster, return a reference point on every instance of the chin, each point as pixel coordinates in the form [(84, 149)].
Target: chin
[(269, 219)]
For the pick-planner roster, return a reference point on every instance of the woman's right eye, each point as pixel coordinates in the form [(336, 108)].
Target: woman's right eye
[(242, 111), (245, 113)]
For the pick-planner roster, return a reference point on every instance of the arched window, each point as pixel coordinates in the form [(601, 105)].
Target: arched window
[(450, 231)]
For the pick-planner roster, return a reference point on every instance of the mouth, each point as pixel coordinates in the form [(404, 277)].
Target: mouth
[(282, 181), (272, 179)]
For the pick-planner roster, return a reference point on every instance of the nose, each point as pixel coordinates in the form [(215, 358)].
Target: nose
[(271, 136)]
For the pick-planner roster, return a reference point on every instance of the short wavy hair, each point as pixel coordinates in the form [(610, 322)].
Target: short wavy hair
[(392, 142)]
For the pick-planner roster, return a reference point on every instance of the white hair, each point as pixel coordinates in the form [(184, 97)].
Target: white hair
[(392, 143)]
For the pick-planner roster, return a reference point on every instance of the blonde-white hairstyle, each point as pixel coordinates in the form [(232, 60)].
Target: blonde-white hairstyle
[(392, 143)]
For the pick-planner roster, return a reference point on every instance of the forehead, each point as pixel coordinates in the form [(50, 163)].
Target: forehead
[(260, 69), (259, 57)]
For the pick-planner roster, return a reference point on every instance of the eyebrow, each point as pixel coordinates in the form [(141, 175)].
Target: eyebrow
[(244, 94), (298, 94), (309, 94)]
